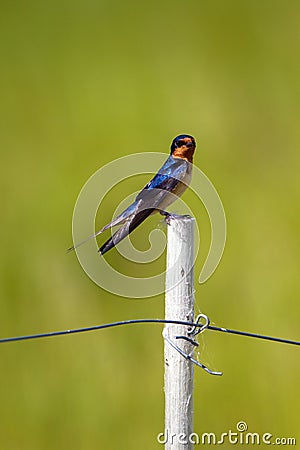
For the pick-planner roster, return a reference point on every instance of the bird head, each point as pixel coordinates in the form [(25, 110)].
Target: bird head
[(183, 146)]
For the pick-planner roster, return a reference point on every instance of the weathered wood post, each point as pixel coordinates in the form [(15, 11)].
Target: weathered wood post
[(179, 305)]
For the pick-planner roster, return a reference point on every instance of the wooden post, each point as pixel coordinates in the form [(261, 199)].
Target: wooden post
[(179, 305)]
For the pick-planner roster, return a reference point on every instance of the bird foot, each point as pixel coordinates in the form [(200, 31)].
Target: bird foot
[(170, 216)]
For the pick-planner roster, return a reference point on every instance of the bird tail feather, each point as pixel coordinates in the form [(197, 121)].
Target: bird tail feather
[(117, 221), (125, 230)]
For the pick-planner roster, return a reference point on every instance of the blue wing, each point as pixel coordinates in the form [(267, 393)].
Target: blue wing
[(151, 198), (166, 180)]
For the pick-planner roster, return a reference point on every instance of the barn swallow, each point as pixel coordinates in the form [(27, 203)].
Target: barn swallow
[(165, 187)]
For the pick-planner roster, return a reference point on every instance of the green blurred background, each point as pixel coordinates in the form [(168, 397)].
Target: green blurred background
[(83, 83)]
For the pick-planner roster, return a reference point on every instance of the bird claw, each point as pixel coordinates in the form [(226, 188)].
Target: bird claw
[(173, 216)]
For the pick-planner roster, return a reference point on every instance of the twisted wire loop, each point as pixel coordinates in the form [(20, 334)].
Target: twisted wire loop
[(197, 328)]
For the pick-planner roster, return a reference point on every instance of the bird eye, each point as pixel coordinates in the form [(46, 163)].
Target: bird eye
[(179, 143)]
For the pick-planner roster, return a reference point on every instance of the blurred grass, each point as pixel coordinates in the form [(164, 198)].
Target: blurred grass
[(83, 83)]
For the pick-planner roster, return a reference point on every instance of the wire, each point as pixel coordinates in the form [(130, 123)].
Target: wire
[(254, 335), (135, 321)]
